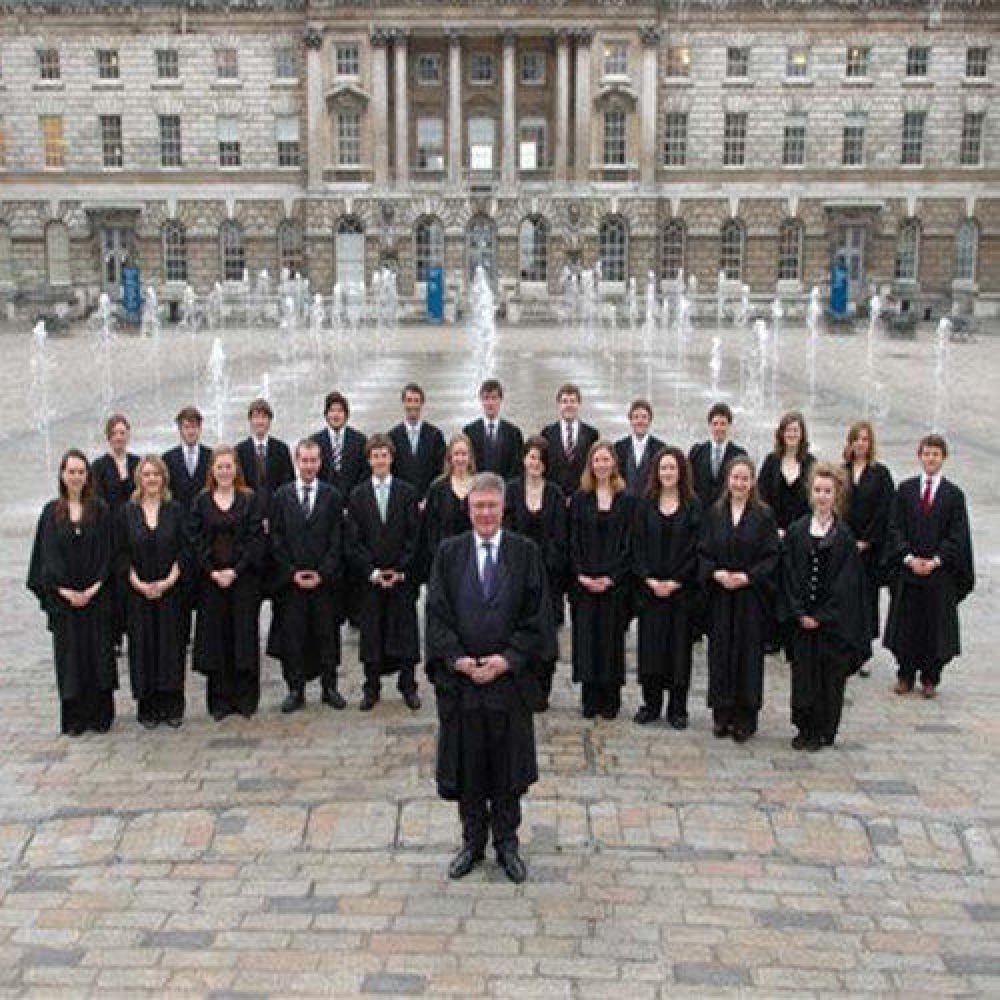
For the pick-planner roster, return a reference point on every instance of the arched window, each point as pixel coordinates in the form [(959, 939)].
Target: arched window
[(533, 240), (348, 225), (906, 251), (234, 257), (349, 248), (790, 251), (613, 249), (428, 247), (672, 260), (481, 247), (6, 256), (57, 253), (290, 248), (175, 267), (966, 250), (731, 250)]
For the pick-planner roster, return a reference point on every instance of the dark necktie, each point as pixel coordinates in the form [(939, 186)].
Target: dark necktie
[(489, 577), (338, 449), (927, 499), (570, 441), (306, 501), (261, 463)]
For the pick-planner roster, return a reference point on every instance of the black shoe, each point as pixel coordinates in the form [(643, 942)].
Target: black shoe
[(740, 736), (679, 721), (463, 862), (221, 713), (247, 713), (102, 727), (813, 744), (412, 700), (368, 701), (75, 731), (510, 861), (294, 701), (609, 713), (148, 722), (864, 672), (828, 741), (590, 713), (645, 716), (333, 698), (799, 741), (174, 721), (720, 732)]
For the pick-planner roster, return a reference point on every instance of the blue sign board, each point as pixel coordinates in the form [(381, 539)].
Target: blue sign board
[(132, 293), (435, 293), (838, 287)]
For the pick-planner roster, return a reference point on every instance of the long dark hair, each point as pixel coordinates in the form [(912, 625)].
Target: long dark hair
[(725, 497), (653, 487), (792, 417), (87, 497)]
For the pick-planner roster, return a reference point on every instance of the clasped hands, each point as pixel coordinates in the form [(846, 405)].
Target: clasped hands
[(924, 567), (79, 598), (730, 580), (306, 579), (596, 584), (482, 669), (663, 588), (386, 578)]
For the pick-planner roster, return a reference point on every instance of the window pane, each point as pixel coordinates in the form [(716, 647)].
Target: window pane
[(673, 249), (913, 137), (174, 252), (797, 62), (857, 61), (616, 59), (348, 59), (613, 250), (794, 145), (227, 64), (977, 59), (286, 63), (675, 126), (614, 137), (428, 247), (533, 67), (533, 250), (428, 68), (854, 138), (737, 61), (107, 64), (966, 248), (481, 67), (48, 64), (430, 143), (349, 137), (111, 140), (734, 141), (52, 140), (971, 149), (170, 140), (906, 253), (731, 255), (789, 251), (233, 256), (917, 60), (167, 64)]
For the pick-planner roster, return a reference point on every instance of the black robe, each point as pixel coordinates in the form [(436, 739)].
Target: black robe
[(506, 455), (461, 622), (788, 501), (353, 464), (600, 545), (422, 468), (708, 488), (184, 488), (278, 469), (155, 629), (922, 625), (739, 621), (444, 516), (565, 470), (636, 476), (387, 617), (115, 492), (666, 548)]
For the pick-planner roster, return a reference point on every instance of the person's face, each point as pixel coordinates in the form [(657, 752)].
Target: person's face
[(224, 470), (380, 460), (533, 464), (792, 435), (151, 481), (640, 421), (307, 462), (485, 511), (718, 427), (823, 496), (190, 431), (862, 445), (118, 438), (260, 423), (569, 406), (336, 416), (602, 464), (413, 404), (74, 476), (740, 481), (931, 458), (668, 472), (460, 458), (491, 404)]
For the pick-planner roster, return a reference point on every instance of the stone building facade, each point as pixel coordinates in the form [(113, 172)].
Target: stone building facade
[(199, 138)]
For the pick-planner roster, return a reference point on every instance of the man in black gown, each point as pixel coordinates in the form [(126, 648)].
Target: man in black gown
[(488, 626), (709, 458), (569, 440), (637, 451), (342, 448), (496, 443), (265, 461), (420, 447)]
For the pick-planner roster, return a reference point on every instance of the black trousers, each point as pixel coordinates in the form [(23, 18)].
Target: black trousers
[(232, 691), (599, 699), (406, 681), (94, 710), (652, 697), (930, 673), (161, 705), (739, 717), (480, 816)]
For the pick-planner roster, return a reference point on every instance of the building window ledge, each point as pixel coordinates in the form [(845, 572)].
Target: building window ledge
[(797, 81), (976, 81), (678, 81), (285, 83), (227, 84), (167, 85), (857, 81), (737, 81), (55, 85), (108, 85), (917, 81)]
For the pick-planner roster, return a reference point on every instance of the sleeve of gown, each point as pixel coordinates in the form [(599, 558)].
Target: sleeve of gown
[(640, 542), (955, 548), (576, 535), (762, 571), (359, 554), (557, 543), (283, 567), (196, 538), (765, 480), (253, 541), (331, 565), (621, 569), (104, 548), (791, 599), (897, 545), (533, 635), (39, 580), (845, 610), (708, 561), (442, 645), (687, 567), (408, 556)]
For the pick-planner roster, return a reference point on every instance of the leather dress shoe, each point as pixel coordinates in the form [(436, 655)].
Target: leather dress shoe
[(645, 716), (294, 701), (513, 866), (367, 702), (928, 690), (333, 698), (412, 700), (463, 862), (677, 721), (902, 688)]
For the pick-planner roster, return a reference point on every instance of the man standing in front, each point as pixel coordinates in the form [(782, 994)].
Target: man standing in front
[(488, 628)]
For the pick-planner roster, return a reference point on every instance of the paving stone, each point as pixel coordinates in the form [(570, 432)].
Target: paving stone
[(688, 974), (973, 965), (394, 983)]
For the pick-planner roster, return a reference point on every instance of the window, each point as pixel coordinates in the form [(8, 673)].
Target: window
[(977, 58), (53, 143), (428, 68), (227, 64), (679, 61), (428, 247), (175, 266), (286, 63), (228, 127), (111, 140), (533, 67), (793, 150), (614, 137), (918, 58), (672, 261), (616, 59), (234, 259), (789, 251), (854, 139), (734, 139), (857, 61), (966, 251), (107, 64), (797, 62), (170, 140), (57, 253), (167, 64), (481, 67), (738, 61), (481, 140), (970, 153), (613, 249), (675, 133), (48, 64), (912, 152), (532, 144), (286, 135), (532, 244), (290, 244), (906, 252), (731, 251), (430, 144), (347, 56), (348, 137)]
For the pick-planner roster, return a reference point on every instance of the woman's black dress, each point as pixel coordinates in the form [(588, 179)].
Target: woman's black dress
[(599, 544), (445, 514), (155, 628), (788, 501), (226, 643), (665, 547), (75, 556)]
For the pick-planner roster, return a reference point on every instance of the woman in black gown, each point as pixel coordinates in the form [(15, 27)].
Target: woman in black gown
[(870, 490), (226, 543), (151, 554), (824, 600), (784, 476), (535, 506), (446, 511), (738, 556), (600, 520), (665, 565), (114, 481), (68, 573)]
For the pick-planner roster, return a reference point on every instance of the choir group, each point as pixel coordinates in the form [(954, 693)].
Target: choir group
[(346, 528)]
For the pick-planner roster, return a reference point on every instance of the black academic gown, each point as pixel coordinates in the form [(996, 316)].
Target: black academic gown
[(387, 617), (418, 469), (184, 488), (505, 457), (444, 516), (636, 476), (305, 634), (708, 488), (739, 621), (515, 622), (788, 501), (76, 556), (353, 464), (565, 470), (922, 626)]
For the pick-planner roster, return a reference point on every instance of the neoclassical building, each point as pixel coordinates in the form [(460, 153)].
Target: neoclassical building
[(759, 138)]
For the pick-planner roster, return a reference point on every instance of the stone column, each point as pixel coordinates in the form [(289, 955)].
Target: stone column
[(509, 125), (380, 106), (454, 108), (583, 37), (649, 35), (402, 108), (562, 105), (313, 42)]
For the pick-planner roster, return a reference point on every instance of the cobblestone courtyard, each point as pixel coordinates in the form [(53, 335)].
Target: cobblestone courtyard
[(306, 855)]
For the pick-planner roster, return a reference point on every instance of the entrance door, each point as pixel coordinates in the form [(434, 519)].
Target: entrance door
[(350, 251), (481, 249), (852, 246), (117, 244)]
